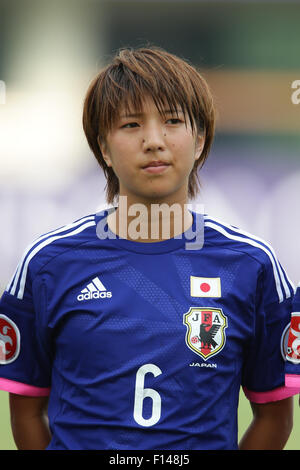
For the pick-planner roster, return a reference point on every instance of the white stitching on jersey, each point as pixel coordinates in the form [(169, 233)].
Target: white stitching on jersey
[(255, 242), (21, 271)]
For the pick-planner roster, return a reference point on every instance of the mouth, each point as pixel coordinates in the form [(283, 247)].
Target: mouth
[(156, 167)]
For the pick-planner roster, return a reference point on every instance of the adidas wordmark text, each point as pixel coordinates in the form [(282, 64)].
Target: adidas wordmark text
[(94, 290)]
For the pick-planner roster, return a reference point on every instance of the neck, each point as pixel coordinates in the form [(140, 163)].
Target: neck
[(149, 222)]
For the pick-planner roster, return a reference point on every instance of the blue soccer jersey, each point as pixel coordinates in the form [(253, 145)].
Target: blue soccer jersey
[(145, 345), (293, 346)]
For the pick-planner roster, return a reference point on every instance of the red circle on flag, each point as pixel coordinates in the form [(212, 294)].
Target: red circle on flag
[(205, 287), (9, 340)]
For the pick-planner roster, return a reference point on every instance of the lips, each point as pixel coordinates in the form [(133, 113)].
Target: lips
[(156, 167), (155, 164)]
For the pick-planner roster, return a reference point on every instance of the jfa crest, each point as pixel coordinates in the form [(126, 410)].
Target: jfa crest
[(205, 330)]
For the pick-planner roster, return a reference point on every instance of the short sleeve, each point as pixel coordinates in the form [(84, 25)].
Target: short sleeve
[(25, 364), (263, 378), (292, 366)]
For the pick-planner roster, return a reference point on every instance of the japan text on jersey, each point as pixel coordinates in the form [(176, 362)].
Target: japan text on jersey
[(145, 345)]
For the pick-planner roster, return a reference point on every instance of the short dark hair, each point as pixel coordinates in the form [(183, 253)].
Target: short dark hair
[(134, 74)]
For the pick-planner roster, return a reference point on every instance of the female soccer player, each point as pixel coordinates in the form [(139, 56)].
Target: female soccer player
[(140, 336)]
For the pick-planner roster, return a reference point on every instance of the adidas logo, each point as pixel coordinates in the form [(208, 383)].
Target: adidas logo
[(94, 290)]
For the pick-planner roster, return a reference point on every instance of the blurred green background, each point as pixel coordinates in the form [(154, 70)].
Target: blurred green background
[(247, 50)]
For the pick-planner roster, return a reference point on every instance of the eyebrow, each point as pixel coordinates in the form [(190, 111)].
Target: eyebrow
[(166, 111)]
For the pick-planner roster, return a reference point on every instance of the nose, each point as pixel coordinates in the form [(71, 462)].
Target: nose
[(153, 138)]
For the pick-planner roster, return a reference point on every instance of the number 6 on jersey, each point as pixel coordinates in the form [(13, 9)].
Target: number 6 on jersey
[(141, 393)]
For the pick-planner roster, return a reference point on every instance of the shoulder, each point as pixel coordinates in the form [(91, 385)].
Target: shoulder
[(231, 237), (235, 238), (47, 246)]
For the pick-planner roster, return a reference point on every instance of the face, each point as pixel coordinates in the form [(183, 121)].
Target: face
[(152, 156)]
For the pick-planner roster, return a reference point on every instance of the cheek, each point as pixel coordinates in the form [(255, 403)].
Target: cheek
[(184, 152), (183, 142), (120, 156), (120, 166), (124, 168)]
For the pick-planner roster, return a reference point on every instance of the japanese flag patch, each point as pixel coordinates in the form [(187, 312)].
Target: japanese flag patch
[(205, 286)]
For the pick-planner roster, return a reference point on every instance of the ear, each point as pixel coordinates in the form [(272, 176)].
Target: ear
[(105, 151), (199, 145)]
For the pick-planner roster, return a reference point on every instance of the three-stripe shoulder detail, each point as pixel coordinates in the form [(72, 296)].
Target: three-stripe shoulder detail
[(19, 278), (284, 285)]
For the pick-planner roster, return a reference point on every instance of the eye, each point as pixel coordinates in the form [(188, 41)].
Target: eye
[(129, 125), (174, 120)]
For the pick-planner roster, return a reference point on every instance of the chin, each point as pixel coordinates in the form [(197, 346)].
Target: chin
[(159, 196), (159, 192)]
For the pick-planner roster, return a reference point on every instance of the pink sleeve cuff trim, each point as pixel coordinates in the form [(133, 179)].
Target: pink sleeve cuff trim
[(23, 389), (273, 395), (292, 380)]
